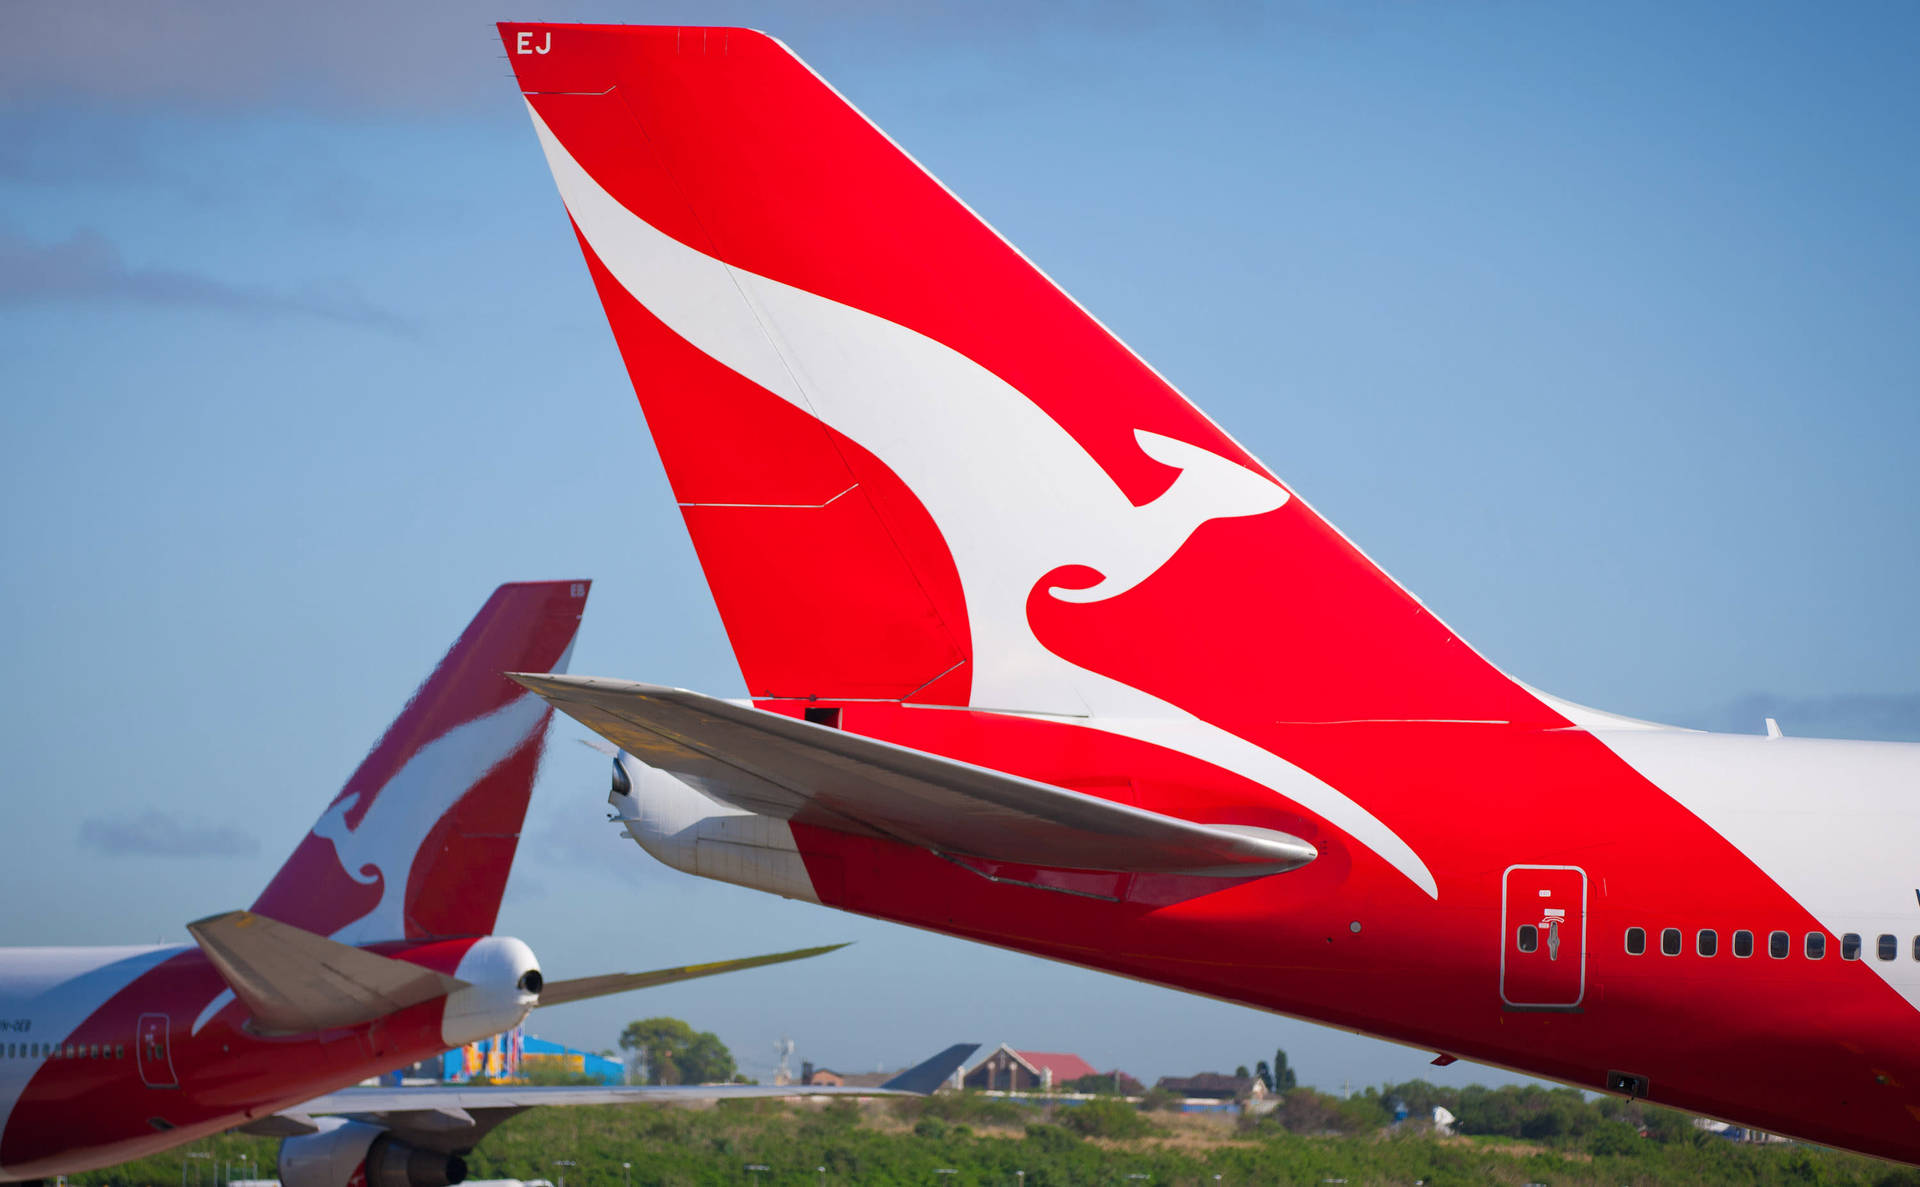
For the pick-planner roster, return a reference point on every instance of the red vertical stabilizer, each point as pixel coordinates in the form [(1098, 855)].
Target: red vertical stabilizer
[(419, 842)]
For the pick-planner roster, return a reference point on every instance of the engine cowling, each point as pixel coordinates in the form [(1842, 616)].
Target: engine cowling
[(344, 1151)]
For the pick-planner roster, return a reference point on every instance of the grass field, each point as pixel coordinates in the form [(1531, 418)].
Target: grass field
[(964, 1140)]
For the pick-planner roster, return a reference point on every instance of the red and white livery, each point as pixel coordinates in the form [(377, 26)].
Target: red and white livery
[(370, 950), (113, 1053), (1040, 656)]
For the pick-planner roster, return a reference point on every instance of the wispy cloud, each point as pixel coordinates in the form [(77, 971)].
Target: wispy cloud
[(74, 146), (88, 267), (158, 834)]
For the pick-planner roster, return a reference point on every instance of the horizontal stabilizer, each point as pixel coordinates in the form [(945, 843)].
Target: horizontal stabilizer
[(559, 993), (784, 767), (294, 981)]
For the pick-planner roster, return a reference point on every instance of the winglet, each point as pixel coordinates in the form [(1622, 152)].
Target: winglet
[(926, 1078)]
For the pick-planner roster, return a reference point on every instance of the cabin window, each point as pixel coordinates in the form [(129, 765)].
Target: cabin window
[(119, 1050), (1816, 945), (1743, 944), (1637, 941), (1529, 938), (1670, 941), (1889, 948), (1778, 944), (1850, 946), (1706, 941)]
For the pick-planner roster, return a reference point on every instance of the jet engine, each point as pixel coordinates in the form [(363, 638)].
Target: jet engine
[(344, 1150)]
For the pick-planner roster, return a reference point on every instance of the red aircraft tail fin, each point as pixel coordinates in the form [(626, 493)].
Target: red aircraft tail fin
[(420, 841), (916, 470)]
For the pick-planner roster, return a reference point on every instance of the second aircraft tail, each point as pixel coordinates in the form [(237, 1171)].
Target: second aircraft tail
[(421, 839)]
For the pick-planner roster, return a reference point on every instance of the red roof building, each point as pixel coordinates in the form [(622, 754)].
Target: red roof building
[(1007, 1070)]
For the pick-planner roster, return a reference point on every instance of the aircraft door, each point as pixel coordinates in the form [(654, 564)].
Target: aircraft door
[(1543, 937), (153, 1051)]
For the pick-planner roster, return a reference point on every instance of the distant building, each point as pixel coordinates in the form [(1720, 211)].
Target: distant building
[(827, 1077), (511, 1056), (1007, 1070), (1213, 1092), (539, 1053)]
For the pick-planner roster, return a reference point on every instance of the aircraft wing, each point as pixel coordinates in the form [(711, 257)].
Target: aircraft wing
[(784, 767), (455, 1117)]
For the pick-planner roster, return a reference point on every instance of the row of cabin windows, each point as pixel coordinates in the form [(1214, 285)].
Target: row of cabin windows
[(66, 1051), (1706, 942)]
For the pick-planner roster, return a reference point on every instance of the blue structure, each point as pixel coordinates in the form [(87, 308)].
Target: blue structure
[(511, 1055)]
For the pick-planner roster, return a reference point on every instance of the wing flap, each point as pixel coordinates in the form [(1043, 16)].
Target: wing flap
[(791, 769)]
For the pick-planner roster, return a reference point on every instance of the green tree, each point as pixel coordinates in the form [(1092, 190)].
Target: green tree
[(707, 1061), (1283, 1077), (1104, 1119), (671, 1052), (1104, 1083)]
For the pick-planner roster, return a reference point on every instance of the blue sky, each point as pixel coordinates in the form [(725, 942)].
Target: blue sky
[(1593, 324)]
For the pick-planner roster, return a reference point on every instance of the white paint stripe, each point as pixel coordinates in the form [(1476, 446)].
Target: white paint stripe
[(57, 989), (1831, 822), (213, 1007)]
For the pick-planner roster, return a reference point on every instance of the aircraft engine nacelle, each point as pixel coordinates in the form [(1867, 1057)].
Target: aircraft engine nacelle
[(689, 830), (344, 1151)]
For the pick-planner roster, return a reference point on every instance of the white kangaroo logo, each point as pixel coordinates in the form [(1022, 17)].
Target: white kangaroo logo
[(1014, 494), (381, 848), (1209, 487)]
